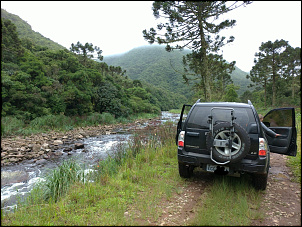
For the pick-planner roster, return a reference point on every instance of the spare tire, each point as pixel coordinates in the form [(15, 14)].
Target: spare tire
[(221, 136)]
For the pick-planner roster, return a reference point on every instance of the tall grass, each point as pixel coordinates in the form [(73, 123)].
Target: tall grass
[(56, 184), (11, 126), (229, 201), (59, 180)]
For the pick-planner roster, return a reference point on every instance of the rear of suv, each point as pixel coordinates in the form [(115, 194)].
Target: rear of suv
[(227, 138)]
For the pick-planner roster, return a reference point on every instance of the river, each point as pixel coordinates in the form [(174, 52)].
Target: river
[(18, 180)]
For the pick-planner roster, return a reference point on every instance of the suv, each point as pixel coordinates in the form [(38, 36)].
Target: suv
[(227, 138)]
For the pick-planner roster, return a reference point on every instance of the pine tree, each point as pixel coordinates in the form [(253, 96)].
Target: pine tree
[(192, 25), (268, 63)]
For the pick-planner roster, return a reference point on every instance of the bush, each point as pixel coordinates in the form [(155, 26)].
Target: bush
[(60, 179), (9, 125), (50, 122)]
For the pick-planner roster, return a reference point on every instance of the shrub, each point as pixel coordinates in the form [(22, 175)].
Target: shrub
[(9, 125)]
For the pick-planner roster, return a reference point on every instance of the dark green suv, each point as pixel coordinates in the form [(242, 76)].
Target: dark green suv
[(227, 138)]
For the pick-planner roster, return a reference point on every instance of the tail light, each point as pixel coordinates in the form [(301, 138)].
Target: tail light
[(181, 139), (262, 147)]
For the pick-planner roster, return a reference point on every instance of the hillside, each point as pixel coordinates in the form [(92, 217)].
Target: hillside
[(155, 65), (41, 78), (25, 32)]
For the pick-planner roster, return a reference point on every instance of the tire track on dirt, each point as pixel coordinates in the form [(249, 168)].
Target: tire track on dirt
[(282, 197)]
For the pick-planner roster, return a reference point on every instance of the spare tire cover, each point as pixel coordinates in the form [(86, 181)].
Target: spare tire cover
[(240, 142)]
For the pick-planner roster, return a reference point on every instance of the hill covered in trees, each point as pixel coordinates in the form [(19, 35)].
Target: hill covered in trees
[(40, 78), (156, 66)]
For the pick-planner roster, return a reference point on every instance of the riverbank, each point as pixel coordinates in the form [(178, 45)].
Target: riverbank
[(42, 146)]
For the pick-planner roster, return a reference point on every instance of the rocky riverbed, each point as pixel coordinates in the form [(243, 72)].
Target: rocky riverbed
[(43, 146)]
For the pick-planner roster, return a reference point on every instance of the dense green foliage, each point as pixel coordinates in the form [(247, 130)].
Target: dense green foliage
[(155, 66), (278, 71), (40, 81)]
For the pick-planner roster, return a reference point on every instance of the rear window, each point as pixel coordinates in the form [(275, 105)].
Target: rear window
[(199, 116)]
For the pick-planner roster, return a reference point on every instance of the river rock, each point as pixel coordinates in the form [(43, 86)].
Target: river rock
[(41, 161), (78, 145), (58, 153), (45, 145), (13, 177), (67, 149), (57, 142)]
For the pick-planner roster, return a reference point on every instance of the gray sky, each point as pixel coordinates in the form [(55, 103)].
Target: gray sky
[(116, 26)]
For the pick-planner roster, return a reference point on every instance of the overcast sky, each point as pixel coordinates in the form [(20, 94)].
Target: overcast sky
[(116, 26)]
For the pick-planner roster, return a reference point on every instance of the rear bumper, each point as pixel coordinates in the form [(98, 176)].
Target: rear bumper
[(258, 165)]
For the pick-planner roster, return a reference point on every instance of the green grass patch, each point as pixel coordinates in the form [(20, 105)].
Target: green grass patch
[(230, 201), (175, 111)]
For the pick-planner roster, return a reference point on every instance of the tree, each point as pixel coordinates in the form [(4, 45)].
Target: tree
[(191, 25), (231, 94), (268, 63), (259, 75), (219, 69), (86, 51), (11, 48), (291, 67)]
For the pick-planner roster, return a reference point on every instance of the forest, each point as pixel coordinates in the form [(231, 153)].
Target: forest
[(38, 81), (40, 78)]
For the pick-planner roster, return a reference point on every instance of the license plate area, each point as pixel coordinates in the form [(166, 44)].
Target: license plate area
[(212, 168)]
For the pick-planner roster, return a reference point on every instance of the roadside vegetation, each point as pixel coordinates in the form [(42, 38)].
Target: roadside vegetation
[(128, 188)]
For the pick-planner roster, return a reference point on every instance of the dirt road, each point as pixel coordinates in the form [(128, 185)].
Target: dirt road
[(281, 200)]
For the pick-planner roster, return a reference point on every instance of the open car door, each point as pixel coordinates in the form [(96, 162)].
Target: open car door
[(282, 121), (182, 119)]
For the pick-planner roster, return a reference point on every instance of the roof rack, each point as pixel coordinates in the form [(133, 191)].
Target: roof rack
[(198, 100)]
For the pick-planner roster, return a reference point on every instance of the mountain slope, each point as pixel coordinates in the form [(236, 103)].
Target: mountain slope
[(155, 65), (25, 32)]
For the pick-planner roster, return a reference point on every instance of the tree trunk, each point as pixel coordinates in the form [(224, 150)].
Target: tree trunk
[(204, 59), (274, 81)]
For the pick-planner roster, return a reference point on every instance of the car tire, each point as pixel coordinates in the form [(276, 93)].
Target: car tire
[(240, 142), (185, 171), (259, 181)]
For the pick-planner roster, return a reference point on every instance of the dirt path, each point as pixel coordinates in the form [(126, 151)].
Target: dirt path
[(281, 204), (282, 198)]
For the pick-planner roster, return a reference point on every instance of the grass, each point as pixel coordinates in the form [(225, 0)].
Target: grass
[(12, 126), (230, 201)]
